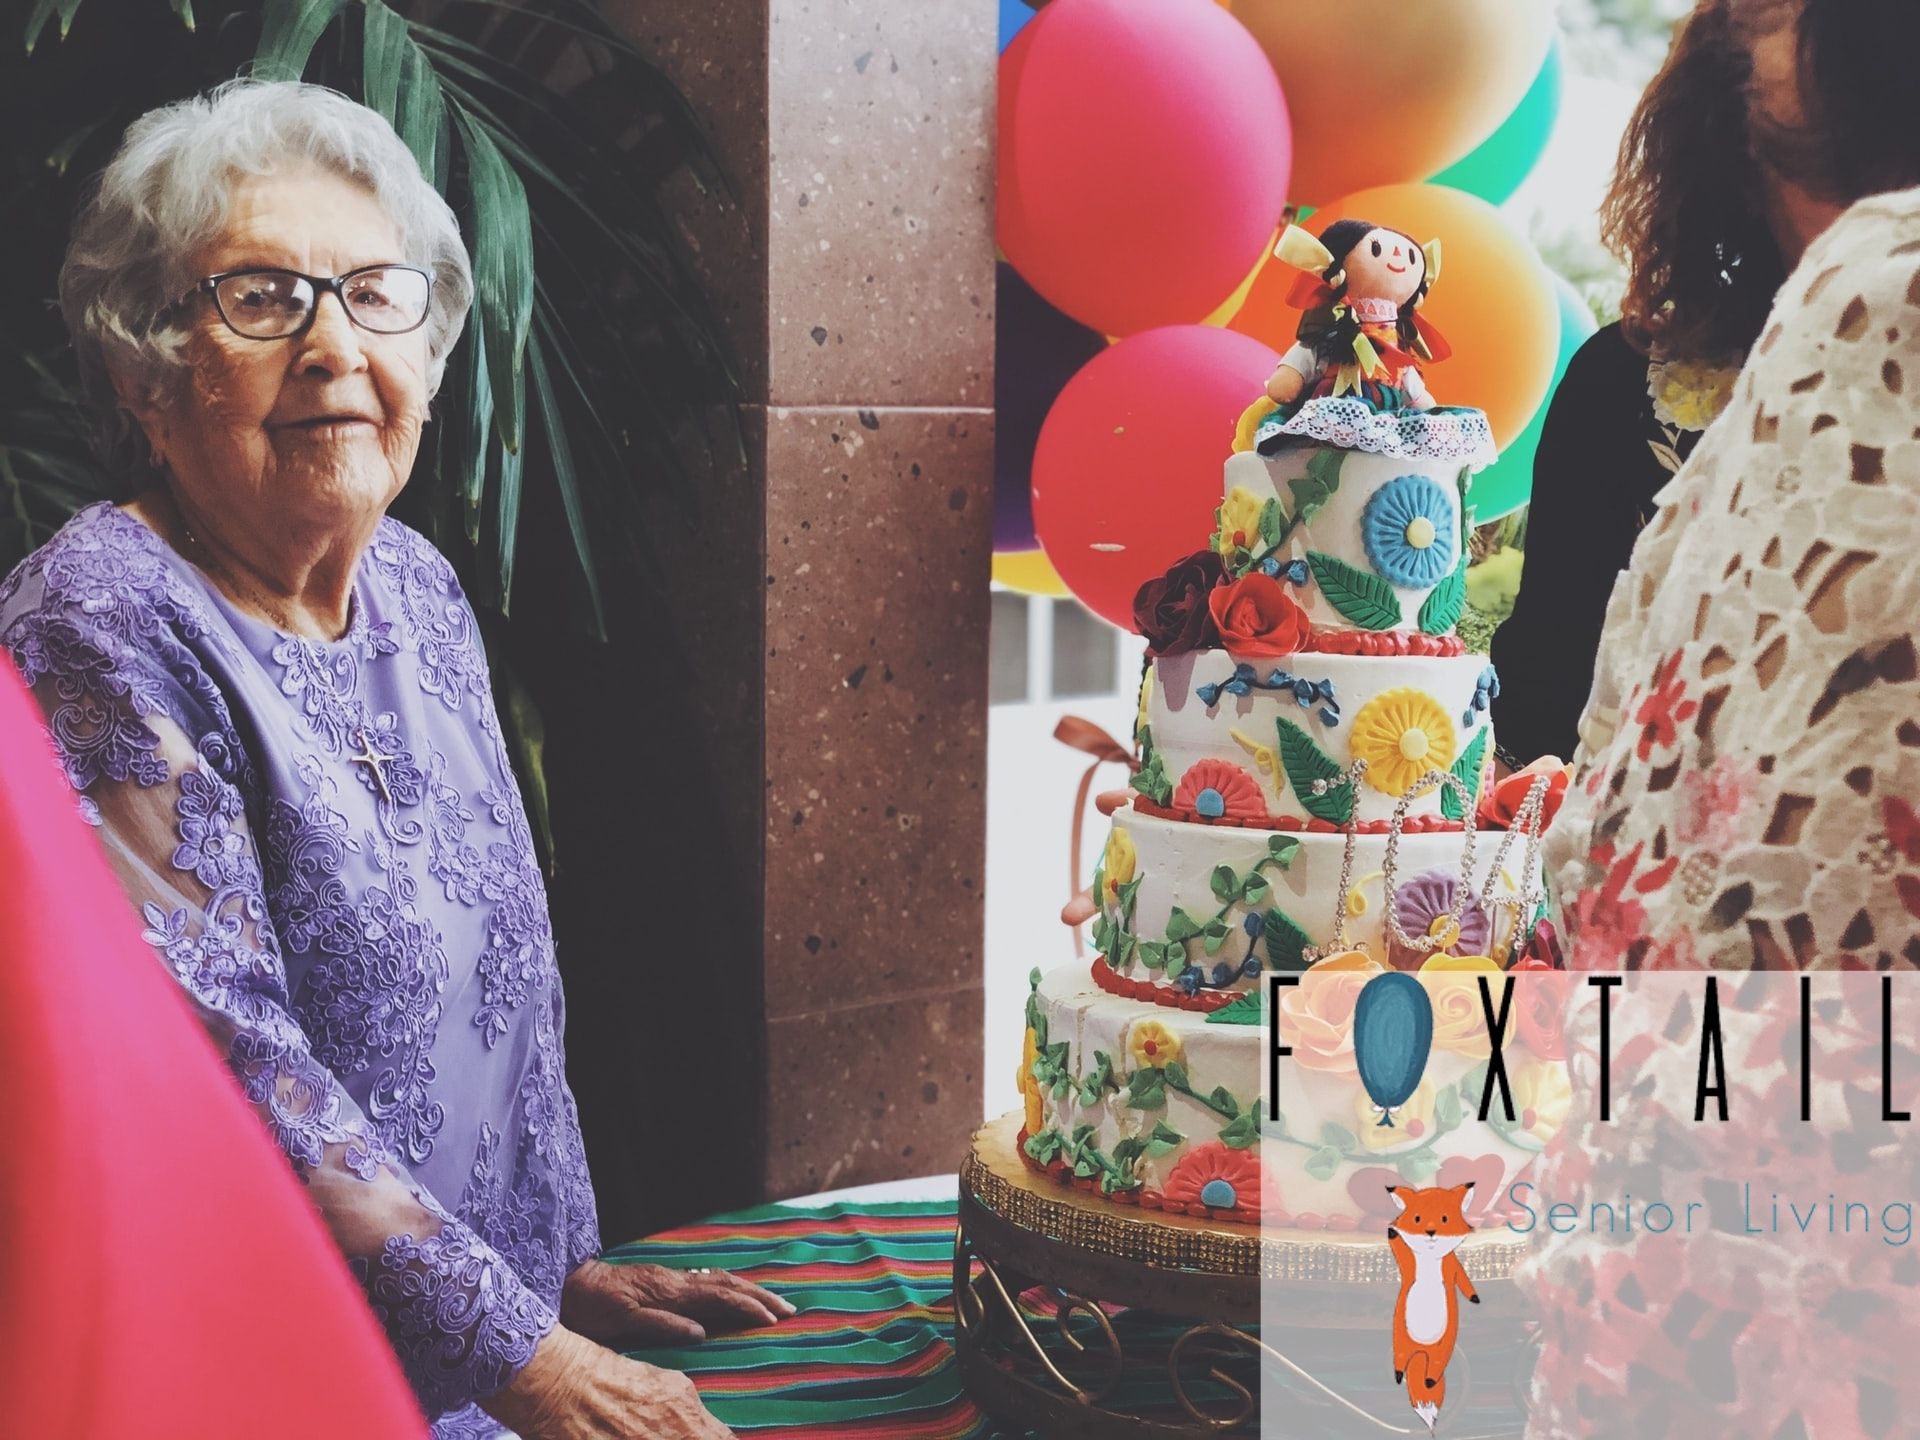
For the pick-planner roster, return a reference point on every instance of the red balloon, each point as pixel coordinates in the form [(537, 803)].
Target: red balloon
[(1144, 154), (1127, 473)]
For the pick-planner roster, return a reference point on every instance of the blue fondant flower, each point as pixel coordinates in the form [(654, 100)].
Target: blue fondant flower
[(1296, 571), (1253, 923), (1408, 527)]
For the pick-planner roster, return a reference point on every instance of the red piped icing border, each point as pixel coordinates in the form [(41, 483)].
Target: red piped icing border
[(1383, 642), (1415, 824), (1203, 1001)]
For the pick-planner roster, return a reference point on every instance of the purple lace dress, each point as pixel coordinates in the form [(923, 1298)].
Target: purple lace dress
[(328, 850)]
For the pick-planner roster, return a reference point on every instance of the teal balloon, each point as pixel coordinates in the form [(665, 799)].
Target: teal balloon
[(1506, 485), (1496, 169), (1392, 1037)]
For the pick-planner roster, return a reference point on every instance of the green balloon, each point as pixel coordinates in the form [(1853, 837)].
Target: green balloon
[(1494, 171), (1505, 485)]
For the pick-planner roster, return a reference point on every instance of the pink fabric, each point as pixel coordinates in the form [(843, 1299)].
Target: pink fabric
[(150, 1225)]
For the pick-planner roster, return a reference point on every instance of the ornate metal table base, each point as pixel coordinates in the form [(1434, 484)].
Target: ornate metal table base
[(1051, 1287)]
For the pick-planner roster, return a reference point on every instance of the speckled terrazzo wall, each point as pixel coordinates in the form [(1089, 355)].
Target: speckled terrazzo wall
[(857, 282)]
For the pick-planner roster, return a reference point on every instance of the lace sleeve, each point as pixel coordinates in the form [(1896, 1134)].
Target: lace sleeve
[(174, 826)]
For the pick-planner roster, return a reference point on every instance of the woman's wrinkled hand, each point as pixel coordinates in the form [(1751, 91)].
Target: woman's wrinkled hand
[(637, 1305), (573, 1389)]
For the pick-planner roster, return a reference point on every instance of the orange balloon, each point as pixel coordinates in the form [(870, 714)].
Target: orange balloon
[(1494, 301), (1383, 91)]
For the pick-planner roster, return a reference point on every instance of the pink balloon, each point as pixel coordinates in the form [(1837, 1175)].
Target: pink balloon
[(1144, 155), (1127, 473)]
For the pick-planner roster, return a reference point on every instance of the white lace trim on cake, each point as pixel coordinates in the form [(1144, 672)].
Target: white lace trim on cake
[(1460, 436)]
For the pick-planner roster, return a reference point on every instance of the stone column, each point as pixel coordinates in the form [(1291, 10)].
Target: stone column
[(836, 591)]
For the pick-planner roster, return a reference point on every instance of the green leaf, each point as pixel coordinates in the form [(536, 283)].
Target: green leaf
[(1305, 763), (1338, 1136), (1222, 1100), (1153, 954), (1181, 925), (1254, 888), (1217, 933), (529, 733), (1044, 1146), (1283, 848), (1362, 597), (1417, 1166), (383, 54), (1317, 486), (1178, 1079), (289, 29), (502, 273), (1323, 1162), (1177, 961), (1441, 612), (1164, 1140), (1151, 781), (1128, 892), (1245, 1010), (1286, 942), (572, 495), (1467, 770), (471, 438), (1226, 883), (1447, 1109), (184, 9), (1147, 1089), (1243, 1131), (1272, 522)]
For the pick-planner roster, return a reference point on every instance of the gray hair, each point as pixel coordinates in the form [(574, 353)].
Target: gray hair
[(166, 193)]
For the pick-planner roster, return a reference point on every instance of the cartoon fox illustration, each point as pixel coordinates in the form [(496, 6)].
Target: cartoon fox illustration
[(1426, 1318)]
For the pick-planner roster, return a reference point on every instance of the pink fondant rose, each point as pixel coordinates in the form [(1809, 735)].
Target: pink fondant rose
[(1258, 619), (1171, 611), (1316, 1016)]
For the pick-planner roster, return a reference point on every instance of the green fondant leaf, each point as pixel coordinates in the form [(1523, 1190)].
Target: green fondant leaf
[(1365, 599), (1472, 1083), (1282, 848), (1286, 942), (1306, 763), (1181, 925), (1323, 1162), (1045, 1146), (1316, 487), (1254, 888), (1128, 892), (1152, 782), (1177, 961), (1147, 1089), (1417, 1166), (1338, 1136), (1467, 768), (1446, 1109), (1217, 932), (1442, 609), (1226, 884), (1153, 954), (1177, 1078), (1243, 1131), (1243, 1011), (1272, 522), (1164, 1140), (1223, 1101)]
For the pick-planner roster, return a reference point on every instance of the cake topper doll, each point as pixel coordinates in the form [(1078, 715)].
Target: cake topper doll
[(1361, 340)]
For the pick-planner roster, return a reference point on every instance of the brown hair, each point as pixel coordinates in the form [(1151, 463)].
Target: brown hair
[(1686, 209)]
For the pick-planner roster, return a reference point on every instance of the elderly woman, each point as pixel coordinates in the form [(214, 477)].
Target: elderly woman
[(273, 704)]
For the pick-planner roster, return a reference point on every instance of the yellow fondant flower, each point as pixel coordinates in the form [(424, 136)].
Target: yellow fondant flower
[(1152, 1045), (1239, 521), (1411, 1121), (1453, 986), (1402, 734), (1146, 693), (1542, 1095), (1118, 865), (1029, 1087)]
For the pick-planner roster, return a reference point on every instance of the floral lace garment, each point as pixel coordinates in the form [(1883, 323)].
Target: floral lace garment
[(1745, 800), (327, 848)]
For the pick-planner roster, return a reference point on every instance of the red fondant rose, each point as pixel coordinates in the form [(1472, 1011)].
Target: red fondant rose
[(1171, 611), (1500, 804), (1257, 618)]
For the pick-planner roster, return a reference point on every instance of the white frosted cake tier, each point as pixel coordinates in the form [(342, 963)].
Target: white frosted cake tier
[(1151, 1107), (1253, 757), (1191, 909), (1383, 538)]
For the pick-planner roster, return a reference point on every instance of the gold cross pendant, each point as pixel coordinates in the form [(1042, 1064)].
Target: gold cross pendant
[(374, 761)]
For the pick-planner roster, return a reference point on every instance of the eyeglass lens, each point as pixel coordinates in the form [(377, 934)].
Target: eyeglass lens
[(265, 304)]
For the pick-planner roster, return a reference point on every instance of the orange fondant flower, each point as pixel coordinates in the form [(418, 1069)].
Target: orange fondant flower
[(1502, 803), (1316, 1016)]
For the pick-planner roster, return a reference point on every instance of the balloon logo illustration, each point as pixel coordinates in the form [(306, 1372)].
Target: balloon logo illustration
[(1392, 1035)]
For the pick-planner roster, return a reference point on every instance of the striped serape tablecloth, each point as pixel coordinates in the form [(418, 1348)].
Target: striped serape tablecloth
[(870, 1354)]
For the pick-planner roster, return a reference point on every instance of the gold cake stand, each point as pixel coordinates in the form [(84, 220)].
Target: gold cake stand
[(1019, 1229)]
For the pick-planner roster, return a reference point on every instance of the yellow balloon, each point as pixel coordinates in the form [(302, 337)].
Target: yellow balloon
[(1029, 572), (1229, 307), (1381, 91)]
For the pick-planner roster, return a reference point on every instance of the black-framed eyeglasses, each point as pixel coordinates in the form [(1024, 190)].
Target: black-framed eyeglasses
[(280, 304)]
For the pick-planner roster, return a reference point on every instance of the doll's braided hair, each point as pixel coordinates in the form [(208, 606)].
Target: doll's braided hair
[(1331, 337)]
